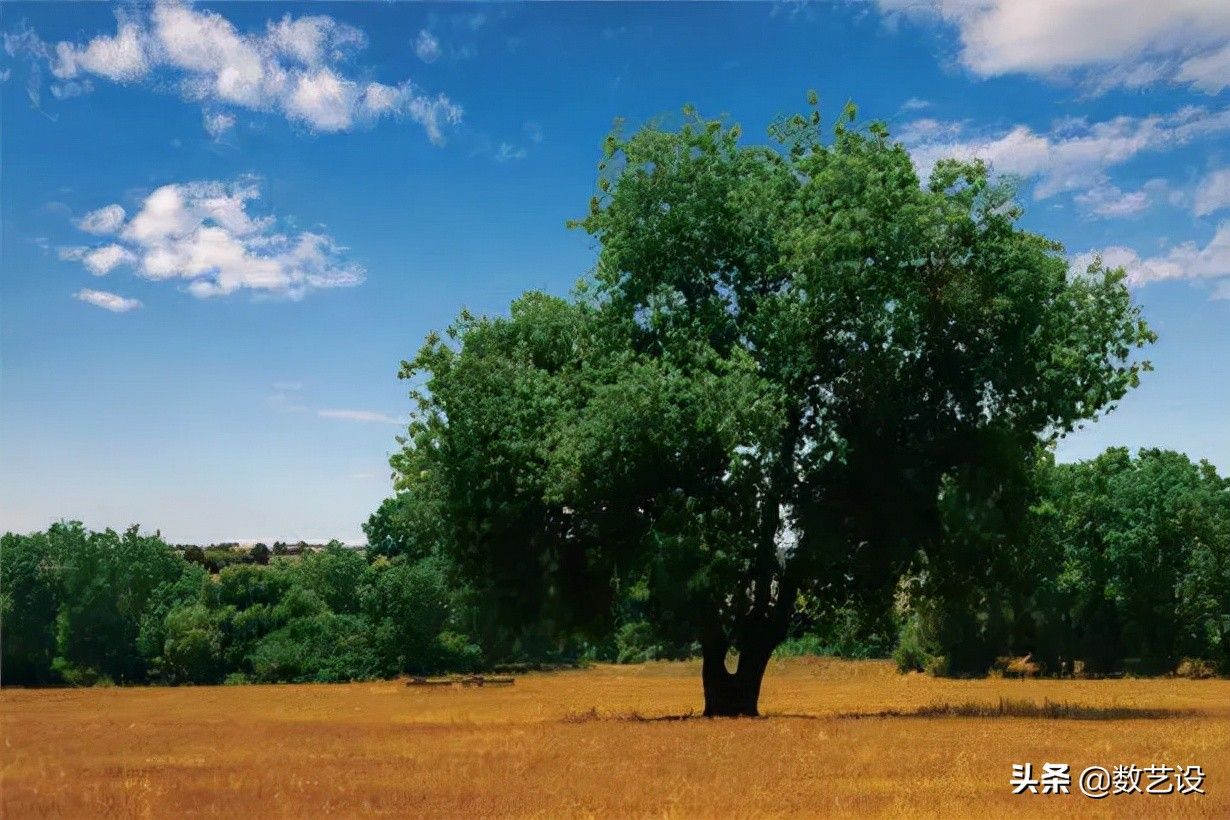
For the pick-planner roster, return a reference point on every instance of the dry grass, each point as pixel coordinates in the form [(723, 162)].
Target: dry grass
[(591, 743)]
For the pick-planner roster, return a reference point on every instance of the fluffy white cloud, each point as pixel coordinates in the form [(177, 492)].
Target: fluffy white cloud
[(102, 261), (103, 221), (363, 416), (202, 232), (1105, 42), (1209, 264), (107, 301), (1075, 154), (1213, 193), (294, 67), (99, 261), (123, 58), (427, 47)]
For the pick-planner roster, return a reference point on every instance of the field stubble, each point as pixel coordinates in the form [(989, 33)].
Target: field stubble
[(838, 738)]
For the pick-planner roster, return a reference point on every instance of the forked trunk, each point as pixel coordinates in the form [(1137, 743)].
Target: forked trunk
[(733, 694)]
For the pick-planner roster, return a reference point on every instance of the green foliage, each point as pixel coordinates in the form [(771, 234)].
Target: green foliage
[(29, 600), (243, 586), (335, 574), (407, 525), (1146, 558), (915, 650), (321, 648), (192, 652), (407, 605), (107, 581), (844, 631), (88, 608)]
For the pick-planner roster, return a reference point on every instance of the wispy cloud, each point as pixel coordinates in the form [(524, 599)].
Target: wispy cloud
[(203, 233), (1213, 193), (295, 67), (427, 46), (1074, 155), (506, 152), (106, 300), (1209, 264), (218, 123), (360, 416)]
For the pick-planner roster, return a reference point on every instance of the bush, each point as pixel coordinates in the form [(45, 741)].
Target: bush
[(802, 646), (192, 652), (323, 648), (636, 642), (914, 652), (457, 653)]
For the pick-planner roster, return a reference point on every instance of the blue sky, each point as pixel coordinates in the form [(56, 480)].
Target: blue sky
[(224, 225)]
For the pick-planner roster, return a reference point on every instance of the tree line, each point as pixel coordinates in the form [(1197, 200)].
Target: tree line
[(83, 607), (1121, 564)]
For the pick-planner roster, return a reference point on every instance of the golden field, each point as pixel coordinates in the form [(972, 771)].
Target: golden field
[(838, 739)]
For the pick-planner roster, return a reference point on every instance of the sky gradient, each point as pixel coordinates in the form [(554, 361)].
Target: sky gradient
[(224, 225)]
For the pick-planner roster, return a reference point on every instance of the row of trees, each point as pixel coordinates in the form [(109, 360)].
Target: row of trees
[(82, 607), (1122, 563)]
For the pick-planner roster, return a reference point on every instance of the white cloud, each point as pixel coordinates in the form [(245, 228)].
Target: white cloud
[(103, 221), (202, 232), (1103, 42), (1213, 193), (1209, 264), (915, 104), (534, 131), (107, 301), (1075, 155), (102, 261), (123, 58), (98, 261), (361, 416), (427, 47), (294, 67), (1107, 200), (218, 123)]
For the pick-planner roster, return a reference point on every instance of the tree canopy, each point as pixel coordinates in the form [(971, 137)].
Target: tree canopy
[(793, 368)]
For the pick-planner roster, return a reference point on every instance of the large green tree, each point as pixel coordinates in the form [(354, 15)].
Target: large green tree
[(790, 365)]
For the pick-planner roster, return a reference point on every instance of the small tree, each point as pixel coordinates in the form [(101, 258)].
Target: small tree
[(788, 363)]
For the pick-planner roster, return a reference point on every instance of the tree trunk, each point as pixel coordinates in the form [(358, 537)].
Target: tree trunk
[(733, 694)]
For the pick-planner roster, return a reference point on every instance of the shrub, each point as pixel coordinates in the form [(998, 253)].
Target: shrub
[(323, 648), (914, 652)]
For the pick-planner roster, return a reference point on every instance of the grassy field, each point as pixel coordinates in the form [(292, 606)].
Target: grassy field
[(838, 738)]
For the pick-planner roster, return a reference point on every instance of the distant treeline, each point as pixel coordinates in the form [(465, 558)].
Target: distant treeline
[(1122, 563), (215, 557), (80, 607)]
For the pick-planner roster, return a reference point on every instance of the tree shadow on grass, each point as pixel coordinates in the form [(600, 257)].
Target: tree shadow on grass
[(1009, 708), (1004, 708)]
